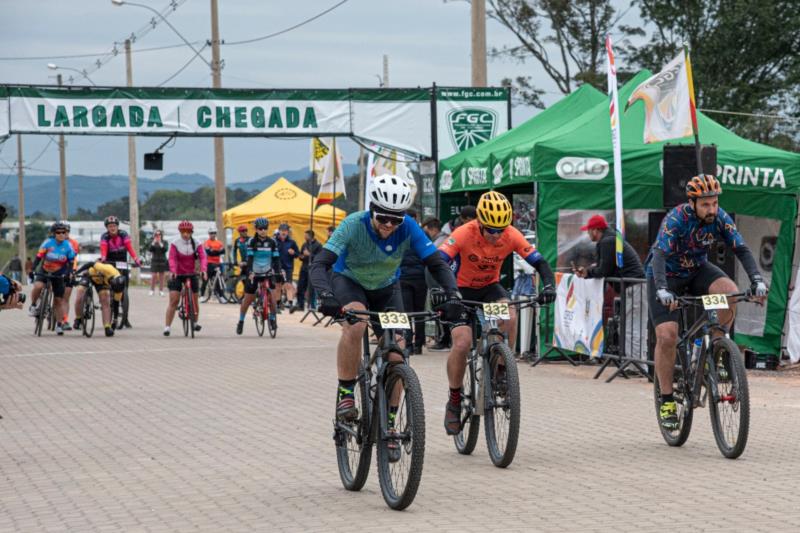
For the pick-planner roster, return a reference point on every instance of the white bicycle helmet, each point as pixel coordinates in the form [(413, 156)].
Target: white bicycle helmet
[(391, 193)]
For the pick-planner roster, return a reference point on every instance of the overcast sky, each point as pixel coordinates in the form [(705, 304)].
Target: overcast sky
[(426, 40)]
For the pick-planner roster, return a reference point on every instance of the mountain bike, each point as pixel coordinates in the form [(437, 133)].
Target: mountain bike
[(491, 384), (261, 309), (88, 311), (709, 370), (391, 414), (186, 311), (217, 285), (46, 311)]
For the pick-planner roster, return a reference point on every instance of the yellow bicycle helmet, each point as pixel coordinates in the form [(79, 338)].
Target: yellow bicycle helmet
[(494, 210)]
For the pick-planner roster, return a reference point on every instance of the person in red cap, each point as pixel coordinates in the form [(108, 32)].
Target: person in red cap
[(606, 265)]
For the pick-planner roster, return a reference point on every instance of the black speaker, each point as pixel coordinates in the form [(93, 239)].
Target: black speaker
[(154, 161), (680, 165)]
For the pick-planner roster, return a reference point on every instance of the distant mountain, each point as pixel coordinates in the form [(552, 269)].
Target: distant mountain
[(88, 192)]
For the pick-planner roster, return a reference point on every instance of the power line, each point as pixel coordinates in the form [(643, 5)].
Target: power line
[(742, 114), (303, 23), (79, 56), (191, 60)]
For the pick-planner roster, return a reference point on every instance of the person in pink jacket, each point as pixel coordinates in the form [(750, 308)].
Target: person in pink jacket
[(184, 253)]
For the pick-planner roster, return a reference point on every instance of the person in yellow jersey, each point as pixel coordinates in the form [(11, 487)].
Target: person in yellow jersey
[(105, 278)]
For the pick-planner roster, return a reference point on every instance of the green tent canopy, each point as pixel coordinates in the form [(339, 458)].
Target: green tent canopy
[(567, 150)]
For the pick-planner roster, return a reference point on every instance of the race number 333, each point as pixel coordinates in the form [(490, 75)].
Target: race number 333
[(715, 301), (393, 320)]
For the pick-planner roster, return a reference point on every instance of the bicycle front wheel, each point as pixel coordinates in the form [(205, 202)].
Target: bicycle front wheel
[(466, 440), (400, 468), (87, 323), (676, 437), (258, 316), (354, 440), (729, 398), (43, 310), (502, 405)]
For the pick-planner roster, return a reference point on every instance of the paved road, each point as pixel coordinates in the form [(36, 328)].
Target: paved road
[(227, 433)]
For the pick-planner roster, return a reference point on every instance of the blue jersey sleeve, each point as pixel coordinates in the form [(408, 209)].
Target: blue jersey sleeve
[(420, 242), (337, 243), (727, 228), (669, 232)]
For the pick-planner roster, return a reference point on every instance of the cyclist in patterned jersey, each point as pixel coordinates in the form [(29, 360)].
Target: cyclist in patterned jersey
[(478, 249), (115, 245), (56, 258), (70, 282), (357, 269), (104, 277), (263, 263), (678, 263), (184, 253)]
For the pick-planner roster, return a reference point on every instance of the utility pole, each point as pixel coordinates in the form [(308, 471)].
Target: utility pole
[(62, 171), (385, 70), (220, 201), (22, 248), (478, 11), (362, 176), (133, 185)]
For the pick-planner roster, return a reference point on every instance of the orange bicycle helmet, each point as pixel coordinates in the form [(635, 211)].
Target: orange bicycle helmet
[(494, 210), (703, 186)]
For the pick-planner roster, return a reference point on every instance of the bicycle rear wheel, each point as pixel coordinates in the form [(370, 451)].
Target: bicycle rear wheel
[(676, 437), (87, 321), (354, 440), (400, 479), (258, 316), (729, 398), (125, 304), (210, 286), (219, 288), (191, 311), (502, 405), (466, 440)]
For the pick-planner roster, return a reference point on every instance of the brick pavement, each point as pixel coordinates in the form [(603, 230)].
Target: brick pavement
[(227, 433)]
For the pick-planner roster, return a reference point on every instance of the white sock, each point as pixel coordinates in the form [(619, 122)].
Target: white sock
[(166, 328)]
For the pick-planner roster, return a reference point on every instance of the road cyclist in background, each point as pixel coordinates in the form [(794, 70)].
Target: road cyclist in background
[(184, 255), (263, 264), (215, 251), (105, 278), (115, 245), (478, 249), (678, 263), (288, 252), (54, 261), (70, 281)]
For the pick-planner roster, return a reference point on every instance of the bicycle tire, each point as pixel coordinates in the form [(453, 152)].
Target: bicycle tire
[(206, 295), (183, 314), (45, 294), (685, 409), (219, 285), (273, 327), (192, 313), (51, 314), (258, 316), (354, 462), (726, 352), (412, 410), (502, 444), (125, 304), (467, 438), (87, 327)]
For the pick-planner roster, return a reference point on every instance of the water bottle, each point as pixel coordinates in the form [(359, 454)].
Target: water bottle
[(696, 349)]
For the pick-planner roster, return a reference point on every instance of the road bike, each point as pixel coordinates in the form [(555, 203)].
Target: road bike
[(217, 285), (391, 413), (88, 310), (186, 311), (491, 384), (709, 370), (261, 306), (46, 311), (120, 311)]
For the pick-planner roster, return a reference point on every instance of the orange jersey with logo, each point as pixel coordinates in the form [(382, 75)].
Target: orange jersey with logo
[(478, 260)]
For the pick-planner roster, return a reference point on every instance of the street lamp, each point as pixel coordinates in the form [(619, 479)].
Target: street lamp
[(53, 66), (163, 19)]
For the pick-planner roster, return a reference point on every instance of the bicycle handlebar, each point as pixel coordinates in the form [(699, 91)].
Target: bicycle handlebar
[(746, 296), (525, 302)]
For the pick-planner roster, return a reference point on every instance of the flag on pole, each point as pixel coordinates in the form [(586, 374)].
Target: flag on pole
[(320, 147), (332, 184), (669, 102), (613, 112)]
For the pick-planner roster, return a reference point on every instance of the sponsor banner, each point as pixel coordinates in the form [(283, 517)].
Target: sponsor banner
[(579, 314), (467, 117)]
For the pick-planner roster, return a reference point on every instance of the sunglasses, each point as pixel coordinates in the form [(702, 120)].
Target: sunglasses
[(388, 219), (494, 231), (60, 232)]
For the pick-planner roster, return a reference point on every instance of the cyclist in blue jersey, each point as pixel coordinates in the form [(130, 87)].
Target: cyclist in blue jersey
[(358, 269), (263, 263), (678, 263), (56, 258)]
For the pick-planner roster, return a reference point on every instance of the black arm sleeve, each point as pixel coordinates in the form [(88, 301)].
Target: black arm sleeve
[(320, 269), (36, 261), (249, 258), (276, 262), (605, 261), (659, 265), (748, 263), (545, 272), (441, 272), (84, 268)]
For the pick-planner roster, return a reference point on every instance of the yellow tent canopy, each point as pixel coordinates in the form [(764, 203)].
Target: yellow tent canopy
[(283, 202)]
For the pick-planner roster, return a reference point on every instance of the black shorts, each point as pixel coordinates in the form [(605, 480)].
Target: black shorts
[(176, 282), (386, 299), (250, 287), (697, 284), (493, 292), (58, 283)]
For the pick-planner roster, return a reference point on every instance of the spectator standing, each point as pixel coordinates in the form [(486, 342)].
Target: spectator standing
[(414, 291), (15, 268), (606, 265), (288, 251), (29, 269), (158, 262), (433, 228), (467, 213), (310, 248)]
